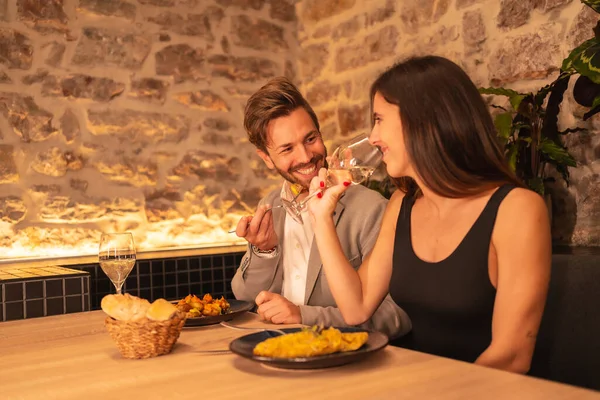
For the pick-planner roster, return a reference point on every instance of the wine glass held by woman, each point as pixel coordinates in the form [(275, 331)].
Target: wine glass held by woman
[(352, 163), (463, 248)]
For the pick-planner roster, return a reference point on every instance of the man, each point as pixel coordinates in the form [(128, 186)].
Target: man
[(281, 270)]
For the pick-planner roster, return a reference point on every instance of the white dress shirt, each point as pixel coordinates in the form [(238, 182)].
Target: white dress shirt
[(297, 242)]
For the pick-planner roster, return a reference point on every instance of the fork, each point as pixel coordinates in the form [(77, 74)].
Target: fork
[(268, 209), (244, 328)]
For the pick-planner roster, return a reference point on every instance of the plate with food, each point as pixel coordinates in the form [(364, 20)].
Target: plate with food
[(207, 310), (309, 348)]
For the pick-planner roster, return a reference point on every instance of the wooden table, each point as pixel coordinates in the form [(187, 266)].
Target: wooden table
[(73, 357)]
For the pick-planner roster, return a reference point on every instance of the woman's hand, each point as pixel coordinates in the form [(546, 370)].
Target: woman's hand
[(323, 204)]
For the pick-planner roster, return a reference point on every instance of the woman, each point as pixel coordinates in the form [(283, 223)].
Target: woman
[(464, 248)]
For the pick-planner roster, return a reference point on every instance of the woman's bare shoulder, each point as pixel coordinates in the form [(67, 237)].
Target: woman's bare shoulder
[(520, 208), (520, 201), (393, 207)]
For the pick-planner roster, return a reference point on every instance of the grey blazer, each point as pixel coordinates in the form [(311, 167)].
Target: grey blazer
[(358, 218)]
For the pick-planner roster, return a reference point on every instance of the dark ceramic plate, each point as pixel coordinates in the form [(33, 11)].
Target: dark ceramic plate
[(238, 307), (244, 346)]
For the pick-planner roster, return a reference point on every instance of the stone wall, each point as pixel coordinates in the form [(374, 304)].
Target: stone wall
[(127, 115), (345, 44)]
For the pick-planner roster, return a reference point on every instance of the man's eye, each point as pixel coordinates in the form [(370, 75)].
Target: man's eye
[(311, 139)]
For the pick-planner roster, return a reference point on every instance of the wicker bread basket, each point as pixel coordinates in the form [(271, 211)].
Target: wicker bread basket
[(146, 338)]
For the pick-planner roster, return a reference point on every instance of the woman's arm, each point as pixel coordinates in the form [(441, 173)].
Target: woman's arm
[(522, 243), (357, 293)]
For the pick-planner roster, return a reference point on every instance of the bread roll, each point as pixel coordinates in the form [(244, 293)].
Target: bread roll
[(124, 307), (161, 310)]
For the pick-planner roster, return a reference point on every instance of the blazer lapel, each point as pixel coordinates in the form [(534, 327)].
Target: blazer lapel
[(314, 260), (279, 216)]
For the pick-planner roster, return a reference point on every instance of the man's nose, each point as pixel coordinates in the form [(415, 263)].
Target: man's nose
[(303, 155)]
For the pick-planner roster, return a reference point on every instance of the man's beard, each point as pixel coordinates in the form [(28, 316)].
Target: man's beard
[(288, 175)]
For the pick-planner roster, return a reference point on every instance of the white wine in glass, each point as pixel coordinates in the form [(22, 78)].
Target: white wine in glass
[(354, 161), (116, 256)]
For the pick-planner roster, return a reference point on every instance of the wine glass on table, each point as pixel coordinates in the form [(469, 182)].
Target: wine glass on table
[(116, 256), (353, 161)]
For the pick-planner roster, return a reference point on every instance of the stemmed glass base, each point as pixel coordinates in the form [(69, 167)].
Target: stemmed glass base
[(116, 256)]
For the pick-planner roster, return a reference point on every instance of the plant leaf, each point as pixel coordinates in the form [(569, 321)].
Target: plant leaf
[(536, 184), (594, 4), (585, 59), (511, 155), (503, 123), (557, 153), (557, 90), (514, 97)]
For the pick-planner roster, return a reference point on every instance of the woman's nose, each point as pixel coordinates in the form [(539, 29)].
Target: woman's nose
[(373, 136)]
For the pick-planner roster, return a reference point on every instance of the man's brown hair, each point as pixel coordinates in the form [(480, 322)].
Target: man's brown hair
[(278, 98)]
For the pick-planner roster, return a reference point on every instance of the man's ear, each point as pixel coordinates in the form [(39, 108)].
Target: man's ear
[(265, 157)]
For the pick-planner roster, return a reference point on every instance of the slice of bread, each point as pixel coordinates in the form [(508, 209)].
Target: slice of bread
[(161, 310)]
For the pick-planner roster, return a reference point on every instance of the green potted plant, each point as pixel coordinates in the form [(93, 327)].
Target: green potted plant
[(528, 128)]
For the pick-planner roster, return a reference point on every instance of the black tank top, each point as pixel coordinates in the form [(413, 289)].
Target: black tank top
[(450, 303)]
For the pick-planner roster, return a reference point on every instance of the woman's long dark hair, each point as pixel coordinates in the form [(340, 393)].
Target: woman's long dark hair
[(448, 131)]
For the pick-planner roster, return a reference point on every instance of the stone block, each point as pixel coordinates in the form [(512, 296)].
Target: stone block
[(63, 208), (128, 171), (51, 162), (110, 8), (219, 124), (16, 50), (69, 125), (421, 13), (353, 118), (132, 126), (528, 56), (83, 87), (514, 13), (257, 34), (204, 100), (193, 25), (182, 62), (582, 27), (4, 78), (247, 69), (283, 10), (460, 4), (474, 32), (318, 10), (8, 168), (322, 92), (374, 47), (149, 89), (4, 10), (312, 60), (204, 165), (12, 209), (45, 16), (29, 122), (98, 46), (158, 3), (55, 54), (243, 4)]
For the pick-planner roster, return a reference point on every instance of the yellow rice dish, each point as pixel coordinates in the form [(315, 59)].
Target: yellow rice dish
[(309, 343)]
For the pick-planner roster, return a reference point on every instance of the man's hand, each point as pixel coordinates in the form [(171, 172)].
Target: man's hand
[(258, 229), (275, 308)]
